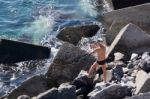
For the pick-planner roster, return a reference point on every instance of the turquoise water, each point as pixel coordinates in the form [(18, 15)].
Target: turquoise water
[(31, 20), (37, 22)]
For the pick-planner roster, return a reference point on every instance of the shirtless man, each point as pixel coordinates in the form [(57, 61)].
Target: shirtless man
[(100, 51)]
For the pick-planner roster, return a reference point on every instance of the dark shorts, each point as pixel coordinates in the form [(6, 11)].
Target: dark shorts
[(101, 62)]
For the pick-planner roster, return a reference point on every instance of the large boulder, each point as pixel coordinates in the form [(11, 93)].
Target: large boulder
[(75, 33), (83, 83), (111, 92), (14, 51), (142, 82), (114, 21), (118, 4), (141, 96), (131, 39), (63, 92), (32, 87), (69, 61)]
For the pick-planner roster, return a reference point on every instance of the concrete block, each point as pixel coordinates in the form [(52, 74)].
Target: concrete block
[(131, 39), (142, 82), (141, 96), (118, 4), (114, 21), (14, 51)]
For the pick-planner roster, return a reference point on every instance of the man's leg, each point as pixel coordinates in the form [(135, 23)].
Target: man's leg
[(92, 69), (104, 72)]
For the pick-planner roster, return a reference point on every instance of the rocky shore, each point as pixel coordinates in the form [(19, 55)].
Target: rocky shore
[(128, 76)]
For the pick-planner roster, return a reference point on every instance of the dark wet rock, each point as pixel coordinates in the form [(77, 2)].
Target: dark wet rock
[(118, 4), (141, 96), (69, 61), (118, 72), (14, 51), (32, 87), (131, 39), (111, 92), (142, 82), (83, 83), (74, 34), (50, 94), (24, 97), (115, 20), (80, 97), (65, 91)]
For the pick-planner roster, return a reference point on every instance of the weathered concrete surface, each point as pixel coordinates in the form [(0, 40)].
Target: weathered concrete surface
[(75, 33), (13, 51), (112, 92), (63, 92), (118, 4), (131, 39), (69, 61), (114, 21), (32, 87), (141, 96), (142, 82)]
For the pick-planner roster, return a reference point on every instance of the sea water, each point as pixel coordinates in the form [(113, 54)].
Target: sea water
[(38, 22)]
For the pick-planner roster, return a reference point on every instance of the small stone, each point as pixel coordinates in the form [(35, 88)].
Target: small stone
[(24, 97)]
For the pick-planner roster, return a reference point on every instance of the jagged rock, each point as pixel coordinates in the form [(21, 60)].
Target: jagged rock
[(65, 91), (141, 96), (115, 20), (118, 4), (146, 62), (50, 94), (24, 97), (80, 97), (69, 61), (14, 51), (131, 39), (74, 34), (134, 56), (83, 83), (111, 92), (142, 82), (32, 87), (118, 72)]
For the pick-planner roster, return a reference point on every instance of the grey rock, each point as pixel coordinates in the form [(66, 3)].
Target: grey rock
[(67, 91), (64, 91), (32, 87), (134, 56), (23, 97), (50, 94), (131, 39), (142, 82), (74, 34), (118, 72), (141, 96), (145, 62), (111, 92), (115, 20), (83, 83), (82, 80), (69, 61)]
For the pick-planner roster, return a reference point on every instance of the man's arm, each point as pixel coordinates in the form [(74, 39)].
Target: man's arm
[(95, 50)]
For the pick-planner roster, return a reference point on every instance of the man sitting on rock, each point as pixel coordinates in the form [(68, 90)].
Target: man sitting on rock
[(100, 50)]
